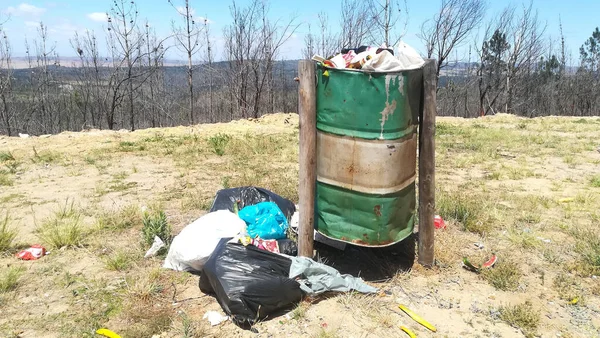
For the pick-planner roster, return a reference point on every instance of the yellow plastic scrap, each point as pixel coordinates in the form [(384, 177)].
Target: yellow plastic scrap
[(107, 333), (326, 73), (417, 318), (408, 332), (566, 200), (574, 301)]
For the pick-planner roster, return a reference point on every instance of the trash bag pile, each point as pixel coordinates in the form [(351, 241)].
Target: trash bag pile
[(242, 254), (374, 59)]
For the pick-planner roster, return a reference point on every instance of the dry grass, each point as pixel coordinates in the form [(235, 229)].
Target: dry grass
[(501, 181), (146, 307), (505, 275), (7, 233), (523, 316), (119, 260), (63, 229), (466, 209), (125, 218), (9, 278)]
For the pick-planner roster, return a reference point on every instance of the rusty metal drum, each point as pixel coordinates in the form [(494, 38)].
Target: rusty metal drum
[(366, 154)]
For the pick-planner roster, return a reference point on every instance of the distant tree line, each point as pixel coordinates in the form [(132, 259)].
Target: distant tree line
[(131, 87), (513, 67)]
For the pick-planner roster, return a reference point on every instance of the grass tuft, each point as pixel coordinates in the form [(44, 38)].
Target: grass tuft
[(125, 218), (567, 287), (7, 233), (119, 261), (505, 276), (522, 316), (299, 312), (595, 181), (5, 179), (468, 210), (63, 229), (6, 156), (45, 156), (219, 143), (588, 246), (9, 278)]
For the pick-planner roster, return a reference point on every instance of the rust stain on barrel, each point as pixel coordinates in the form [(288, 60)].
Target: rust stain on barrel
[(377, 210)]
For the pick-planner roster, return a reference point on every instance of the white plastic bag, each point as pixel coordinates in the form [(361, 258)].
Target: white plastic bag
[(406, 58), (191, 248), (156, 246)]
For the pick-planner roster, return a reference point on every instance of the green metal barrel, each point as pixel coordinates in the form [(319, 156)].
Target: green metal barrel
[(366, 155)]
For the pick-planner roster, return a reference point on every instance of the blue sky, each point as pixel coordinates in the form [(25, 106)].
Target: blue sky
[(64, 17)]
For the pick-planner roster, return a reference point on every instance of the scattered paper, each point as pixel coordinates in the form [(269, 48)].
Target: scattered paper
[(215, 318), (156, 246)]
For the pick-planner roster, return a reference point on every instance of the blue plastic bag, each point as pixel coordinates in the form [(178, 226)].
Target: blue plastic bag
[(264, 220)]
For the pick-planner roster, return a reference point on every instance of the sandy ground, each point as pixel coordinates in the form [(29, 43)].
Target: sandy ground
[(71, 291)]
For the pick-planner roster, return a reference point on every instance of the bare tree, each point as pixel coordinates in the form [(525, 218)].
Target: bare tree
[(450, 28), (188, 40), (354, 22), (7, 109), (385, 16), (209, 68), (252, 44), (526, 39)]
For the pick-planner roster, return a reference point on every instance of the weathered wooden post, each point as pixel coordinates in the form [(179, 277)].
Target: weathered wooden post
[(427, 165), (307, 109)]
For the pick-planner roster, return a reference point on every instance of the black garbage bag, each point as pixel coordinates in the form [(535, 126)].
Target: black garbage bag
[(250, 284), (224, 200)]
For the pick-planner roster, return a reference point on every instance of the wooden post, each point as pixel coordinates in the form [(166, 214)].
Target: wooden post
[(307, 109), (427, 165)]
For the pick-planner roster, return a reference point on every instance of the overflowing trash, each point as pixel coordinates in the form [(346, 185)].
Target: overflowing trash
[(241, 251), (36, 251), (374, 59)]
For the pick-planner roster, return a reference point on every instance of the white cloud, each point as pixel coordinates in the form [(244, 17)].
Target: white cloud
[(97, 16), (65, 29), (32, 24), (25, 9)]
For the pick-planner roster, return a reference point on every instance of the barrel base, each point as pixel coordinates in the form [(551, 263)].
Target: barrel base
[(365, 219)]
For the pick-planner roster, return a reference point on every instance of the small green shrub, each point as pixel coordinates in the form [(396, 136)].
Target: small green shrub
[(219, 143), (155, 224)]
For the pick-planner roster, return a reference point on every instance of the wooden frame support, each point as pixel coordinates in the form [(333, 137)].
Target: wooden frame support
[(307, 110), (427, 165)]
